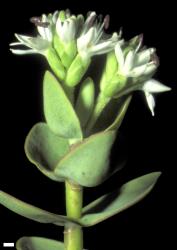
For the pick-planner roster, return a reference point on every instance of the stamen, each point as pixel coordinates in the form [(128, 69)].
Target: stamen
[(67, 12), (88, 13), (120, 32), (35, 19), (38, 22), (141, 36), (140, 41), (91, 21), (155, 59), (106, 21), (100, 18)]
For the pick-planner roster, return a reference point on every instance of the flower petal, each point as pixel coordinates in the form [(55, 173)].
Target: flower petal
[(150, 101), (144, 56), (137, 71), (101, 48), (154, 86), (23, 52), (45, 33), (58, 26), (119, 56), (23, 39), (55, 17), (15, 44), (151, 68), (41, 31), (36, 43), (71, 29), (129, 61), (84, 40)]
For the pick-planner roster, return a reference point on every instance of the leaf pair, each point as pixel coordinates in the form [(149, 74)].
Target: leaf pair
[(56, 159), (97, 211), (48, 145)]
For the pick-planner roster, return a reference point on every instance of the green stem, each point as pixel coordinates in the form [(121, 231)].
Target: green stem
[(101, 103), (103, 100), (73, 235)]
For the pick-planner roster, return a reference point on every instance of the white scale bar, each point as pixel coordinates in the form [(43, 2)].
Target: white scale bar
[(10, 244)]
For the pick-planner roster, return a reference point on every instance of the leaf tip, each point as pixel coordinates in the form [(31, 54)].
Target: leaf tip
[(47, 74), (157, 174)]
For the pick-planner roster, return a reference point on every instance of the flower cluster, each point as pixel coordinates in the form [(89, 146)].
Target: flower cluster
[(70, 41), (131, 67)]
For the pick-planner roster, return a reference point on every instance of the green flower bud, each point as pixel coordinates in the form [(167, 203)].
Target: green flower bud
[(55, 63), (111, 68), (117, 83), (66, 51), (112, 82), (111, 65), (85, 101), (76, 71), (62, 15)]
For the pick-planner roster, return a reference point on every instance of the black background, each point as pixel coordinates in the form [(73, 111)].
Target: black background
[(150, 141)]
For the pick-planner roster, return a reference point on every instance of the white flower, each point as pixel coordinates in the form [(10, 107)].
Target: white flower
[(140, 65), (89, 34), (41, 43), (134, 63), (150, 87), (67, 29), (92, 40)]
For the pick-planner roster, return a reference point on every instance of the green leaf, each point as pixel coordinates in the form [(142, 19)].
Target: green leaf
[(85, 101), (44, 149), (88, 162), (31, 212), (120, 115), (38, 243), (59, 112), (114, 203)]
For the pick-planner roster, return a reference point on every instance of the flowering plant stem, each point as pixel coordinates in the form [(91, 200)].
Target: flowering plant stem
[(82, 118), (101, 103), (73, 234)]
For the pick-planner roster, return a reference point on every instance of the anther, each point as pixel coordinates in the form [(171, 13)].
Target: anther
[(106, 21), (68, 12), (38, 22), (92, 20), (155, 59), (35, 19)]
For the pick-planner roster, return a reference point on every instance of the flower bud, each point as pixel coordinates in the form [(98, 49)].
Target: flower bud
[(76, 71), (65, 36), (112, 82), (55, 63), (109, 71), (62, 15), (117, 83), (66, 51)]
